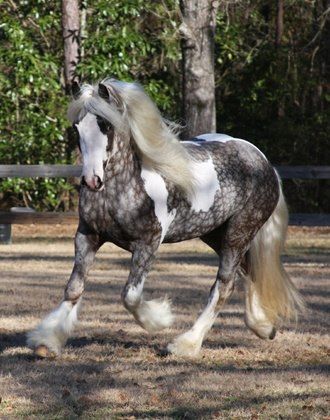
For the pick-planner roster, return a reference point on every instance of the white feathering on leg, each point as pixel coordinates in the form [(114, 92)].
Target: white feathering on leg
[(55, 328), (189, 343), (154, 315)]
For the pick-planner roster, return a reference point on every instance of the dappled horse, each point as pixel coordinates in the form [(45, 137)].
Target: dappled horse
[(142, 187)]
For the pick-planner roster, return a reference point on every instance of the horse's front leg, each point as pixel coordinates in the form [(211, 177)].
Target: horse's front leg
[(48, 338), (152, 315)]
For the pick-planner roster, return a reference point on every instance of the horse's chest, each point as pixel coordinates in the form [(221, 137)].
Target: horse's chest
[(92, 210)]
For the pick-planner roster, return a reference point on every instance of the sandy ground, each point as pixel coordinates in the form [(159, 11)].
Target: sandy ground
[(111, 368)]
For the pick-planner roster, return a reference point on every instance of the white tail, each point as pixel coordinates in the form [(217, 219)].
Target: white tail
[(271, 297)]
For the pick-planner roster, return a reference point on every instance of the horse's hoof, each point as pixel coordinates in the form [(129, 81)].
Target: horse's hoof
[(43, 352), (272, 334), (185, 345), (162, 352)]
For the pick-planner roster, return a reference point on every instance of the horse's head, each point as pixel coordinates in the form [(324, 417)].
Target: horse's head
[(95, 139), (117, 113)]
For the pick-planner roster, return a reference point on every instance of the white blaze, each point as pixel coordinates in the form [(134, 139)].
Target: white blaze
[(93, 145)]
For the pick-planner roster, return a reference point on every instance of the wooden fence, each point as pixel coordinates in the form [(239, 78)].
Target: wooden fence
[(54, 171)]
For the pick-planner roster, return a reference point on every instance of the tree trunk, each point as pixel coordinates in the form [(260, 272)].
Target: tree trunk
[(198, 87), (70, 27), (278, 41), (279, 23), (71, 37)]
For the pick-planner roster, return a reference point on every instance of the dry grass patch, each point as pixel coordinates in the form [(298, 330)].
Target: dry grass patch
[(111, 368)]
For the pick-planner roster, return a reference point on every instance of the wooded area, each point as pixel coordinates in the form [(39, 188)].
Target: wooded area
[(271, 67)]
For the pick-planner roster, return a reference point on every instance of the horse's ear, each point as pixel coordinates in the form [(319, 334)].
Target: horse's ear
[(108, 92), (75, 90), (104, 92)]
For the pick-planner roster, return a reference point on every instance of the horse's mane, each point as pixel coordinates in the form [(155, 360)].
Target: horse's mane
[(133, 115)]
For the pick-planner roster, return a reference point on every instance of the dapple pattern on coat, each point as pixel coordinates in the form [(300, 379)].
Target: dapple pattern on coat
[(149, 188)]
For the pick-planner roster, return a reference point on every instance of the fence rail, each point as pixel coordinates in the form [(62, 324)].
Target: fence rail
[(304, 172), (55, 171), (43, 171), (55, 218), (45, 218)]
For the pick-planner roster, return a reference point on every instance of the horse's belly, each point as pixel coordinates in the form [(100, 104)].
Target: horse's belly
[(192, 222), (194, 226)]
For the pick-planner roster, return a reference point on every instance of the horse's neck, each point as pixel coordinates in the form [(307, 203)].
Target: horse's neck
[(124, 163)]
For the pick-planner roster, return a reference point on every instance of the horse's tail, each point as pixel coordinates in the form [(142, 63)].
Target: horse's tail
[(271, 296)]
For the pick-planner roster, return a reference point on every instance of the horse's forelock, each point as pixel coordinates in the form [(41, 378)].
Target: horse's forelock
[(90, 101)]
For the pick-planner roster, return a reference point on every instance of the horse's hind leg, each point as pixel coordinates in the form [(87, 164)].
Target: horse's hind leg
[(231, 243), (189, 343), (48, 338)]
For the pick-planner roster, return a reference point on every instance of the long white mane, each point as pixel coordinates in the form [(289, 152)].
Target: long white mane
[(133, 115)]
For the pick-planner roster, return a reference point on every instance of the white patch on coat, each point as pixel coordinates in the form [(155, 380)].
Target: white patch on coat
[(223, 138), (156, 189), (214, 137), (207, 184), (93, 144)]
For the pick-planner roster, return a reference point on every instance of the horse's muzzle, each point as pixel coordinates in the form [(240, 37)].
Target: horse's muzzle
[(94, 183)]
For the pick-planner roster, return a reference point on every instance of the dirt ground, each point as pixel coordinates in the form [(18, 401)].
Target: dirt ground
[(111, 368)]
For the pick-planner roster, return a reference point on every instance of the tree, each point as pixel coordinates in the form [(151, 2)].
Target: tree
[(278, 41), (279, 23), (71, 34), (198, 88)]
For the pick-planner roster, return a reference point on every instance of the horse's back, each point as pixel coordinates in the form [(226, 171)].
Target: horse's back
[(236, 161), (222, 143)]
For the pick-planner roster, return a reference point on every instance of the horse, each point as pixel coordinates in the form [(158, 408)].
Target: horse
[(141, 187)]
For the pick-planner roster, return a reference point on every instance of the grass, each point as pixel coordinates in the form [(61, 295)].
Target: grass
[(111, 368)]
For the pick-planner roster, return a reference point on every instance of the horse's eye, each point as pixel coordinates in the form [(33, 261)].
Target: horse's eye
[(103, 124)]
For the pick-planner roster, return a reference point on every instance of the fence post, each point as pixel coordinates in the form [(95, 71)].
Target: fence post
[(5, 234), (5, 229)]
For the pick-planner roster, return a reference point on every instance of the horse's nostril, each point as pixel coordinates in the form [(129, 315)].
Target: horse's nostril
[(94, 183), (99, 183)]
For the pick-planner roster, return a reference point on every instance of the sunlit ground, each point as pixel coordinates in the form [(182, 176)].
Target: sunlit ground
[(111, 368)]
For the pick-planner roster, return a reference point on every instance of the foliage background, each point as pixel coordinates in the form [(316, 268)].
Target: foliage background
[(275, 97)]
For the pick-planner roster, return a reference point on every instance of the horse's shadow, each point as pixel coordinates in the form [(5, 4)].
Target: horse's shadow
[(15, 340), (10, 340), (117, 339)]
